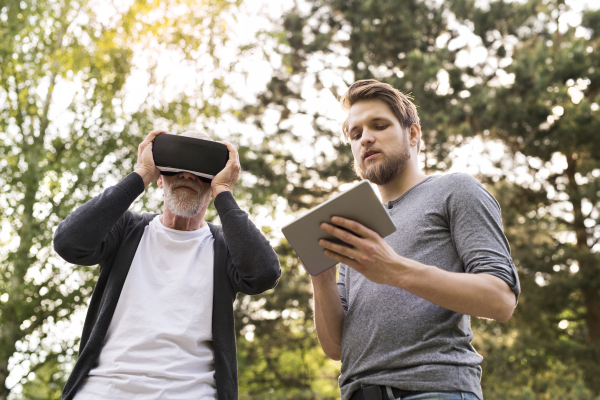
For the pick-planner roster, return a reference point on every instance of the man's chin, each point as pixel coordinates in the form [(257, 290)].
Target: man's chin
[(185, 212), (186, 195), (369, 172), (184, 203), (379, 175)]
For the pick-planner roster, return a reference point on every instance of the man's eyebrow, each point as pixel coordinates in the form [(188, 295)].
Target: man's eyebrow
[(377, 119)]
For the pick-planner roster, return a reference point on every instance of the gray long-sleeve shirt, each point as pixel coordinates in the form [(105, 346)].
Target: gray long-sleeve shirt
[(393, 337)]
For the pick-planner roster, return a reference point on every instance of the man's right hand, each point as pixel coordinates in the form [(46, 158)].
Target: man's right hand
[(145, 166)]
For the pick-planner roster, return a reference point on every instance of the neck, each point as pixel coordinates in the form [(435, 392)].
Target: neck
[(172, 221), (401, 183)]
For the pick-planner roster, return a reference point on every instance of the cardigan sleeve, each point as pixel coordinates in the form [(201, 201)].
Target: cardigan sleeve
[(93, 231), (254, 265)]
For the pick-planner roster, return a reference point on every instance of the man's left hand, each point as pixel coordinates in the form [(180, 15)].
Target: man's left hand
[(229, 175), (369, 255)]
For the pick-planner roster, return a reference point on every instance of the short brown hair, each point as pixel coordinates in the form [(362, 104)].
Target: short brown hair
[(368, 89)]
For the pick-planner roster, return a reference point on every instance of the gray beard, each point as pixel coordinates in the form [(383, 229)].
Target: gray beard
[(387, 170), (183, 203)]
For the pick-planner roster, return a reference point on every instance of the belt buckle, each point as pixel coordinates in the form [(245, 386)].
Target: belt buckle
[(372, 392)]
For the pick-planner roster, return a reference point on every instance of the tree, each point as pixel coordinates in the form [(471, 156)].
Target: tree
[(278, 351), (533, 88), (48, 383), (284, 358), (56, 154), (548, 120)]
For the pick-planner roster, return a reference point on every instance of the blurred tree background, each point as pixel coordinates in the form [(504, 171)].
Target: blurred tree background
[(83, 82)]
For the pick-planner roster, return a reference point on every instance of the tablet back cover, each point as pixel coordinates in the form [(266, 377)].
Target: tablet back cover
[(359, 203)]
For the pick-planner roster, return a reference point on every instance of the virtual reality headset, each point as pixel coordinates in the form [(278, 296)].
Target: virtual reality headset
[(174, 154)]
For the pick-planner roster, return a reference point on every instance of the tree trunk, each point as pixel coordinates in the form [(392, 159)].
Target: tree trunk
[(586, 262), (4, 391)]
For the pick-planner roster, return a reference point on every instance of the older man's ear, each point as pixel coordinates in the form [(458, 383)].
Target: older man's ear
[(159, 182)]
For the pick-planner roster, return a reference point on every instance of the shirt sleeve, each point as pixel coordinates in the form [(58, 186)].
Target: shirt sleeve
[(476, 226), (341, 285), (93, 232)]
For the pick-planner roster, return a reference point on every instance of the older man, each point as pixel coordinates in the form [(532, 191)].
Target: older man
[(160, 321)]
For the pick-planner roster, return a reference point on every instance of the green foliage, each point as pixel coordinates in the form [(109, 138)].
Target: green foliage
[(278, 352), (48, 383), (548, 119), (64, 133), (392, 41), (536, 92)]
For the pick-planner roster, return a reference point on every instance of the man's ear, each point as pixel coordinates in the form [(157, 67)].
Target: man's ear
[(159, 182), (414, 134)]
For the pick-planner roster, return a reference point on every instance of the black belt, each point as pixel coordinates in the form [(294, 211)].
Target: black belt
[(376, 392)]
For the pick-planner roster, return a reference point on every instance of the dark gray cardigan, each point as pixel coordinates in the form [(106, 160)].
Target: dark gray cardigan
[(104, 232)]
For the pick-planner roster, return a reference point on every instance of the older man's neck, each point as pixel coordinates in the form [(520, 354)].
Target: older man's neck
[(172, 221)]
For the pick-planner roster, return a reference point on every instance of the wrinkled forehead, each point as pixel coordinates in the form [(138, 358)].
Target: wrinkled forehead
[(197, 134)]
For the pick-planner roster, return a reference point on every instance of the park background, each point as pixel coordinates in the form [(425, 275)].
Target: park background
[(508, 91)]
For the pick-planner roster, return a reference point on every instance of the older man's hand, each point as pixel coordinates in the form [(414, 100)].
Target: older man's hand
[(225, 179), (145, 166)]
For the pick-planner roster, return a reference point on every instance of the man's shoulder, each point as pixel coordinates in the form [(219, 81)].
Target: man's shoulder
[(456, 188), (133, 218), (216, 230), (220, 243), (464, 191), (457, 180), (455, 184)]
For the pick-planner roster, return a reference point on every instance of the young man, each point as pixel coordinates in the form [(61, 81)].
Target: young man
[(398, 317), (160, 321)]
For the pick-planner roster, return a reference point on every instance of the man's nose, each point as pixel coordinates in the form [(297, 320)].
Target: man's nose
[(367, 137), (187, 175)]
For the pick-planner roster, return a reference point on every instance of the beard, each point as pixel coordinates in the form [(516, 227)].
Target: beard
[(386, 170), (183, 202)]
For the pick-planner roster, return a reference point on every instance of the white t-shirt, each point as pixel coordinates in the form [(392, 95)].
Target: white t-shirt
[(159, 342)]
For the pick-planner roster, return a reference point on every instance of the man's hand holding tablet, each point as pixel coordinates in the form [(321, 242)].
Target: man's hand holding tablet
[(369, 255), (358, 211)]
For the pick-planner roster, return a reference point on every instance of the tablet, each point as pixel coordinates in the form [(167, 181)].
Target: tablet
[(359, 203)]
